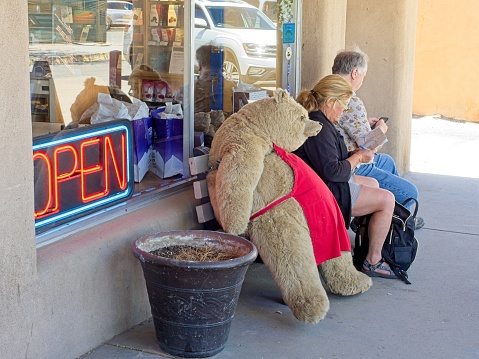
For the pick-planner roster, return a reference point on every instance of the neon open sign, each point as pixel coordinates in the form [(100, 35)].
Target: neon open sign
[(81, 171)]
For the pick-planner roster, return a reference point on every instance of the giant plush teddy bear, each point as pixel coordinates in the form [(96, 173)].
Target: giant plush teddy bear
[(259, 189)]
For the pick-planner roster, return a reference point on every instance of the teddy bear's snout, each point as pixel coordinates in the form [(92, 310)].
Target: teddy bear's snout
[(312, 128)]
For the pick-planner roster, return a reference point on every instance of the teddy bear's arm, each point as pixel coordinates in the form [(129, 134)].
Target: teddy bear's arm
[(237, 177)]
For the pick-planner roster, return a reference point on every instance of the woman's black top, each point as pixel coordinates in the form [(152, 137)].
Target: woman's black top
[(326, 154)]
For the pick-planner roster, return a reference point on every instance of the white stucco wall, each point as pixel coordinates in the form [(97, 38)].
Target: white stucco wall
[(17, 243)]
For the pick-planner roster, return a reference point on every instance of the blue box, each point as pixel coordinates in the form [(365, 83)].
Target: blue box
[(142, 147), (167, 156)]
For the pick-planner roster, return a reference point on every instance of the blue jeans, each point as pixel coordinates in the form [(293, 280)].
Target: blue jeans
[(384, 171)]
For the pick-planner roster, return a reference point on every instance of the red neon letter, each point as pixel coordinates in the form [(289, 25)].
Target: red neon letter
[(63, 176), (43, 156), (121, 178), (85, 171)]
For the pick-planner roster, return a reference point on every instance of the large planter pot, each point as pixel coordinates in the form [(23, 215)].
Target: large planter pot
[(193, 302)]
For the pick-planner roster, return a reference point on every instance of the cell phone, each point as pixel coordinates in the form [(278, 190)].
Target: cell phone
[(385, 119)]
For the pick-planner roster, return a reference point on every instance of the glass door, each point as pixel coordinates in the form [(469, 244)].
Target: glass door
[(249, 49)]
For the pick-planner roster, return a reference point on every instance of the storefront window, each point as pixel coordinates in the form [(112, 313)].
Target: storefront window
[(93, 61)]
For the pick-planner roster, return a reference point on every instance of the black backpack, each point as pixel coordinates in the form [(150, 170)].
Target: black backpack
[(400, 247)]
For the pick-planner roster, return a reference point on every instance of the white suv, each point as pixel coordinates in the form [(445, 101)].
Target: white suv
[(247, 35), (118, 13)]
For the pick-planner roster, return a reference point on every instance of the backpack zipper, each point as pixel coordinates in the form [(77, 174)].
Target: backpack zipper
[(403, 223)]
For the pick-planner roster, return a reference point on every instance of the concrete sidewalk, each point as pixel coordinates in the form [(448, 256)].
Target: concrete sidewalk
[(434, 317)]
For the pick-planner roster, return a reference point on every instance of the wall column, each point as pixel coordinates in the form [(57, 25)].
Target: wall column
[(324, 26), (386, 31), (17, 239)]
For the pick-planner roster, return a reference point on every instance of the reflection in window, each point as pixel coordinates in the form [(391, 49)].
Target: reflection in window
[(235, 65), (240, 18), (249, 56)]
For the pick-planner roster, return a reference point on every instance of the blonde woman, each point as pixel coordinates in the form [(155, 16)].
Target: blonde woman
[(327, 154)]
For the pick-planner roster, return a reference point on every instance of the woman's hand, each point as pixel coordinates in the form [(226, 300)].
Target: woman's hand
[(361, 156), (366, 155)]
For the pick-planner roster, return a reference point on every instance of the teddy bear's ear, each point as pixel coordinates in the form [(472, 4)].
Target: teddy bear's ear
[(89, 82), (280, 95)]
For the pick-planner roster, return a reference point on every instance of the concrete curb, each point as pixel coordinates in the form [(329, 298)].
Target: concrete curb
[(59, 59), (70, 53)]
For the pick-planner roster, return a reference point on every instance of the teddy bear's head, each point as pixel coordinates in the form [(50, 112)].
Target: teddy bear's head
[(282, 119), (217, 118), (240, 147), (202, 122)]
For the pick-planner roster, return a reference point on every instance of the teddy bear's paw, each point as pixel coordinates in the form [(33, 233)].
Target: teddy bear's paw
[(309, 310), (349, 284), (342, 277)]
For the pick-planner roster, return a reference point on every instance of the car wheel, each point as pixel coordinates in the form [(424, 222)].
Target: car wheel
[(230, 68)]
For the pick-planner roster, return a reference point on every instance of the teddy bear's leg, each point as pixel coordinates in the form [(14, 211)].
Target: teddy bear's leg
[(286, 249), (342, 277)]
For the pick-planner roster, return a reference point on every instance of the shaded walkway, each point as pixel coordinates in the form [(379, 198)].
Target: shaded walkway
[(435, 317)]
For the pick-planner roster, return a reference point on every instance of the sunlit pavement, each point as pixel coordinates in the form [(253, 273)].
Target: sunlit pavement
[(444, 146)]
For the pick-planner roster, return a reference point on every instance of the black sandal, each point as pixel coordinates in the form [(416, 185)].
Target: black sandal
[(379, 265)]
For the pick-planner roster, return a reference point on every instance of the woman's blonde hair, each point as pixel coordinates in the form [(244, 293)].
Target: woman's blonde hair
[(329, 87)]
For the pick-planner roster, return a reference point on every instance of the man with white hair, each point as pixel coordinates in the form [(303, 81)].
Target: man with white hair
[(352, 65)]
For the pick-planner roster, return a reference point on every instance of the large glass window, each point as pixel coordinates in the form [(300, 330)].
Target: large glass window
[(93, 61), (97, 60)]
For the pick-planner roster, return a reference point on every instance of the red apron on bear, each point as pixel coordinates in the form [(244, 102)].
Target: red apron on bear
[(325, 221)]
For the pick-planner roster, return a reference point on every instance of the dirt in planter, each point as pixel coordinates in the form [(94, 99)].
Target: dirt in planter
[(190, 253)]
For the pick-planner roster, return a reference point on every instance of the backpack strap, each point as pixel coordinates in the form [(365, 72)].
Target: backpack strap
[(416, 207), (361, 241), (399, 273)]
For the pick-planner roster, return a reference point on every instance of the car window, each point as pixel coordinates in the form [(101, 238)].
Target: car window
[(239, 18), (120, 6), (199, 14)]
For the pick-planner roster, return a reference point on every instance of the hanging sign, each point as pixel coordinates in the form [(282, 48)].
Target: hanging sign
[(288, 33), (80, 171)]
